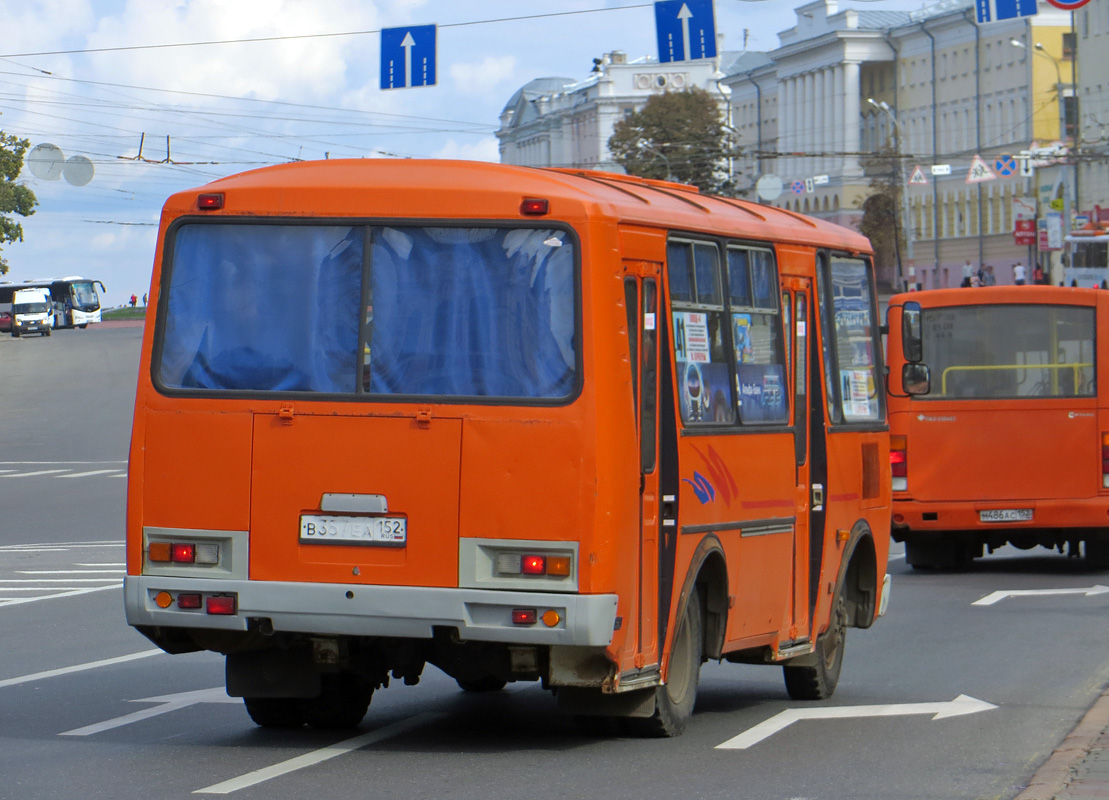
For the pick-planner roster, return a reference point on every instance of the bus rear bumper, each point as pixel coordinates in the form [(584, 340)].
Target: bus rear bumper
[(911, 516), (360, 610)]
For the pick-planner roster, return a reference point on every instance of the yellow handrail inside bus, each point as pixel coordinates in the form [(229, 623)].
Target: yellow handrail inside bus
[(996, 367)]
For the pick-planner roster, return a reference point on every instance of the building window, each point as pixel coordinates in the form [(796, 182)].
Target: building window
[(1068, 46)]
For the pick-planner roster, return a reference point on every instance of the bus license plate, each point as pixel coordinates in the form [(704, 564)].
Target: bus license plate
[(1005, 515), (323, 529)]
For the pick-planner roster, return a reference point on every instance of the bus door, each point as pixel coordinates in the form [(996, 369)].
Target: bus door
[(798, 302), (641, 294)]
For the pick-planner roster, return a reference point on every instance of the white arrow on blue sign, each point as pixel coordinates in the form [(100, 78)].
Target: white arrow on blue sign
[(998, 10), (407, 57), (686, 30)]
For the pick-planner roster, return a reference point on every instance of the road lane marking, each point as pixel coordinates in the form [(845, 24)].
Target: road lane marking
[(53, 673), (997, 597), (69, 571), (165, 704), (959, 706), (87, 474), (37, 472), (60, 594), (51, 580), (318, 756)]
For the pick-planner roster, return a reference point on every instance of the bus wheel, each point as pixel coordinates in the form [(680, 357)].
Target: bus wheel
[(82, 327), (48, 332), (488, 683), (818, 682), (275, 712), (342, 702), (674, 700)]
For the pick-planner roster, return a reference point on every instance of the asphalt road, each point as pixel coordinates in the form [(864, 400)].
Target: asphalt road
[(89, 709)]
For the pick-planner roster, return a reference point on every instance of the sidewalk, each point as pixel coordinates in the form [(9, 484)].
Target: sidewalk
[(1079, 767)]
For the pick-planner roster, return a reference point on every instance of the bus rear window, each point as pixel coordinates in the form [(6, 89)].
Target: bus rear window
[(415, 311), (1009, 351)]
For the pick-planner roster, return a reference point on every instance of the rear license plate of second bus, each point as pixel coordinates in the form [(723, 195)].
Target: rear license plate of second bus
[(326, 529), (1005, 515)]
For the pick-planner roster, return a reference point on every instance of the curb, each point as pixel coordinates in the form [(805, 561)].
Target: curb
[(1061, 768)]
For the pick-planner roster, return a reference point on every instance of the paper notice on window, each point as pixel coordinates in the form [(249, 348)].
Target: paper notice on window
[(692, 337), (856, 392)]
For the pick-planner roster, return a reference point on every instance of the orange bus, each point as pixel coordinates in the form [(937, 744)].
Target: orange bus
[(999, 433), (519, 424)]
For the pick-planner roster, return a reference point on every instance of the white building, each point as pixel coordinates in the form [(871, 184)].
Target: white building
[(562, 122), (939, 88)]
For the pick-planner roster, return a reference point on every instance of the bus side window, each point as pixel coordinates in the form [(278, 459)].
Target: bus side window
[(697, 309), (850, 341), (756, 318)]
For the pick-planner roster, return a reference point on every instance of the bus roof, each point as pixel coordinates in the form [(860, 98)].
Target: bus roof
[(429, 189), (984, 295)]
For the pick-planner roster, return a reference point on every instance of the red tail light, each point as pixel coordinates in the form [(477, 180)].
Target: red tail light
[(1105, 460), (899, 463), (182, 553), (533, 565), (524, 616), (220, 604)]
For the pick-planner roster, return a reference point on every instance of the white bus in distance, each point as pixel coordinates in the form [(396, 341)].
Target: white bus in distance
[(74, 300)]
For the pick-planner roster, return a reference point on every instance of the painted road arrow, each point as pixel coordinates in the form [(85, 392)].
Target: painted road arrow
[(997, 597), (166, 703), (959, 706)]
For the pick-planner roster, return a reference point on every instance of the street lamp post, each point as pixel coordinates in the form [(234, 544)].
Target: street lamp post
[(642, 145), (902, 196)]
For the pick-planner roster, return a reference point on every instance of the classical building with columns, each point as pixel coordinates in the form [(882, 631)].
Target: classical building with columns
[(933, 86)]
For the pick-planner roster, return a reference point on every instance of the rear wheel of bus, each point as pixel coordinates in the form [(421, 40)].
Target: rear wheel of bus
[(674, 700), (818, 681)]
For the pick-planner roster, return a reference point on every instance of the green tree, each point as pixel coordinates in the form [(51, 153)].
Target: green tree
[(15, 198), (678, 136), (881, 222)]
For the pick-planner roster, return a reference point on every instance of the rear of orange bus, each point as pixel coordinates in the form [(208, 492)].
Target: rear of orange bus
[(999, 431)]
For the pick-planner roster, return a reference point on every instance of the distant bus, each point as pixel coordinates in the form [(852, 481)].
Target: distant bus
[(1087, 258), (74, 300), (999, 422), (524, 425)]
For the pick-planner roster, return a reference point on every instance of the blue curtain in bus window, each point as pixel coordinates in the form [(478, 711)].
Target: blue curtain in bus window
[(681, 279), (739, 278), (708, 276), (463, 312), (764, 278), (263, 308)]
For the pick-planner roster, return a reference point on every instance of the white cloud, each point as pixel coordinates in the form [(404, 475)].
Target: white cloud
[(480, 78), (484, 150)]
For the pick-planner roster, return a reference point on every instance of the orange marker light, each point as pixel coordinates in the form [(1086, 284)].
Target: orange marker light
[(558, 565), (551, 618), (163, 599), (159, 551)]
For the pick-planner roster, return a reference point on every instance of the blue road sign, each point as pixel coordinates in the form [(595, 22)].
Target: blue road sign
[(797, 187), (407, 57), (997, 10), (1006, 166), (685, 29)]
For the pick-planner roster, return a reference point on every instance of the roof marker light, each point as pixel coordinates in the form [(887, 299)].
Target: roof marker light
[(534, 206), (210, 202)]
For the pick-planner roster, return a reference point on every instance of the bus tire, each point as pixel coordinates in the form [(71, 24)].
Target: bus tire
[(674, 700), (487, 683), (819, 681), (48, 331), (341, 703), (275, 712), (82, 327)]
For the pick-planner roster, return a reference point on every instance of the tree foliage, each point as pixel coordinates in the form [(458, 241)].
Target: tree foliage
[(678, 136), (15, 198), (881, 222)]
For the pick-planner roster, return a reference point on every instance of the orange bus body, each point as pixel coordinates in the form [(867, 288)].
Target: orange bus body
[(1009, 444), (604, 530)]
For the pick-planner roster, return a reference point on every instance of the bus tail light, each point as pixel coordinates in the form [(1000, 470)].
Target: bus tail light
[(516, 563), (524, 616), (220, 604), (899, 463), (1105, 460), (204, 553)]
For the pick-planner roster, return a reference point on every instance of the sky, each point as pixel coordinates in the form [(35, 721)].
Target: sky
[(97, 78)]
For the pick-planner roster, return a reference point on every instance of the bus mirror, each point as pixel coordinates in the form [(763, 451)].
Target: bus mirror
[(911, 344), (916, 379)]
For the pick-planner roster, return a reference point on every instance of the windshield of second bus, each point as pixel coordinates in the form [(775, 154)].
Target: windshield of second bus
[(85, 297), (1009, 351)]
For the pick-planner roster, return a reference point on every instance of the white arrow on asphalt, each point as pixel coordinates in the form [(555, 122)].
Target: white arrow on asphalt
[(954, 708), (408, 43), (684, 15), (166, 703), (997, 597)]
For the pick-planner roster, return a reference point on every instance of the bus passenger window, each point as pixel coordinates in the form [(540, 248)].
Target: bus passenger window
[(703, 375), (757, 336), (855, 347)]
